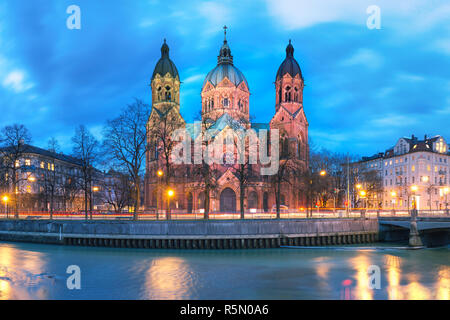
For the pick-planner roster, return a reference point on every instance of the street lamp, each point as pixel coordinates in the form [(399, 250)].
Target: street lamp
[(323, 173), (170, 194), (414, 188), (393, 195), (446, 191), (159, 173), (5, 200)]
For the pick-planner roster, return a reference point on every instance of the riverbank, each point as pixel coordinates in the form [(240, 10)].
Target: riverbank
[(217, 234)]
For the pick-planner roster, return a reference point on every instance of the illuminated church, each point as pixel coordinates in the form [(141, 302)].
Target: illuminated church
[(225, 99)]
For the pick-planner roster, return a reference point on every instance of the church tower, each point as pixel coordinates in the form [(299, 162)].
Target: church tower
[(165, 82), (289, 116)]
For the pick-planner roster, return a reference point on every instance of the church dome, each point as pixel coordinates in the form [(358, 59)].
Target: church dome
[(164, 64), (225, 69), (289, 65)]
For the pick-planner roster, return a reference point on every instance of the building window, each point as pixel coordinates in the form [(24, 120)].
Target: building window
[(17, 163), (413, 168), (225, 102), (27, 162), (42, 165)]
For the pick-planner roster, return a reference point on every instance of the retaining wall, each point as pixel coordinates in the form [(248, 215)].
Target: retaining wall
[(212, 234)]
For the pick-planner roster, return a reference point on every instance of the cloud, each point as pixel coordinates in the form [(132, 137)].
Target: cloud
[(15, 80), (194, 78), (364, 57)]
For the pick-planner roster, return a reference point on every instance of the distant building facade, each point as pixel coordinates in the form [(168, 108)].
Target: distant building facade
[(413, 170), (43, 177)]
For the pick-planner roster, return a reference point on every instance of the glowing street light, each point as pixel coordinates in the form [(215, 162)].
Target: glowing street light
[(363, 193), (5, 199), (425, 179), (170, 194), (32, 179), (414, 188), (358, 186), (323, 173), (393, 194), (95, 189), (160, 173)]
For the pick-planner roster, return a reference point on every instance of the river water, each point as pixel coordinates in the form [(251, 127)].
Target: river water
[(35, 271)]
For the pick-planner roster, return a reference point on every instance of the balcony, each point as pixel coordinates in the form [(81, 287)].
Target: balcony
[(442, 172), (399, 173)]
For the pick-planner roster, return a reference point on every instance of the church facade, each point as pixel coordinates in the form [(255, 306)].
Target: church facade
[(225, 97)]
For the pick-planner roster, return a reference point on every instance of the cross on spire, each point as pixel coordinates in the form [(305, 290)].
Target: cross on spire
[(225, 33)]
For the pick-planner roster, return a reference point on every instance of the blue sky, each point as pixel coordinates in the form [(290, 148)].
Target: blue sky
[(364, 88)]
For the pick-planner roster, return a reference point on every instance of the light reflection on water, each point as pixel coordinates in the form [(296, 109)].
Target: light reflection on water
[(32, 271)]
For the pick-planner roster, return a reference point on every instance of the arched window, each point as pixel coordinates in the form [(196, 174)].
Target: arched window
[(287, 95), (168, 94), (279, 96), (225, 102)]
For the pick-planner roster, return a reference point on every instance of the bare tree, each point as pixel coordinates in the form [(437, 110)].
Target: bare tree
[(86, 148), (118, 191), (50, 183), (207, 172), (160, 128), (289, 167), (125, 143), (14, 140)]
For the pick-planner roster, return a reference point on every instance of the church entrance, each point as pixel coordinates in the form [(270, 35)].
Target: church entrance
[(228, 200)]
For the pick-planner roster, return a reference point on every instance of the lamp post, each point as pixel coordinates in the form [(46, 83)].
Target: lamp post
[(393, 195), (363, 195), (414, 188), (5, 200), (170, 194), (159, 173), (446, 191)]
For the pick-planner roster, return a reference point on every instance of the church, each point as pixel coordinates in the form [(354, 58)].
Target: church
[(225, 97)]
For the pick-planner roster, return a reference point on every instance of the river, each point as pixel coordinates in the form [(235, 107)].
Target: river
[(35, 271)]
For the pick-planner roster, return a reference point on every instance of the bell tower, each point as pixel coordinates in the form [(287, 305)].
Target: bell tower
[(165, 82), (289, 116)]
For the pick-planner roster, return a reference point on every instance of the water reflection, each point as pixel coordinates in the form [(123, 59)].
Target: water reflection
[(169, 278), (415, 290), (361, 264), (443, 284), (21, 274), (393, 266)]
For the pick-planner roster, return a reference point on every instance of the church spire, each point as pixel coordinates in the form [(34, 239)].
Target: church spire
[(164, 50), (225, 52)]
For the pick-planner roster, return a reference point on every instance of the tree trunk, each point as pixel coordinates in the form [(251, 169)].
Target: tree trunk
[(277, 199), (241, 200), (206, 204)]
